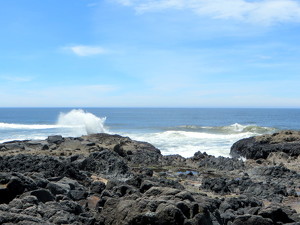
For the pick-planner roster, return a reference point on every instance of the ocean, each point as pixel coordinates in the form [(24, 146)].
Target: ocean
[(181, 131)]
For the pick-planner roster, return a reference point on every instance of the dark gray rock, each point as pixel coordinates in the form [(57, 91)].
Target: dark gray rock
[(97, 187), (43, 195), (279, 214), (271, 191), (105, 162), (261, 146), (251, 220), (17, 218), (55, 139), (51, 166), (221, 163), (77, 194), (169, 214), (57, 188)]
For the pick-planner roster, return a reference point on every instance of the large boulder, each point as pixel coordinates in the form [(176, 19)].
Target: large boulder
[(134, 152), (261, 146)]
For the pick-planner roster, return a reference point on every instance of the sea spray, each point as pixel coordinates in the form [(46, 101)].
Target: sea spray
[(82, 122), (188, 139)]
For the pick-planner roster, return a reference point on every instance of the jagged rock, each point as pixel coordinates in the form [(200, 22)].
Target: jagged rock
[(220, 163), (57, 188), (271, 191), (109, 179), (134, 152), (97, 187), (261, 146), (56, 139), (49, 165), (169, 214), (15, 218), (105, 162), (11, 189), (251, 220), (279, 214)]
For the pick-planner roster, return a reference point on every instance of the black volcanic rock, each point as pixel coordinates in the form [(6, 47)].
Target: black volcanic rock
[(261, 146), (105, 162), (203, 160), (104, 179)]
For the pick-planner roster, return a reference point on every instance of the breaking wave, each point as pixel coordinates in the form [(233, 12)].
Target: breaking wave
[(83, 122), (26, 126), (231, 129), (71, 124), (186, 140)]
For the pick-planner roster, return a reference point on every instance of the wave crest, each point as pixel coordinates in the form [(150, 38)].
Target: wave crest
[(230, 129), (79, 119)]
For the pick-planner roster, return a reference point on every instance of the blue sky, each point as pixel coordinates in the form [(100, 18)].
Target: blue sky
[(150, 53)]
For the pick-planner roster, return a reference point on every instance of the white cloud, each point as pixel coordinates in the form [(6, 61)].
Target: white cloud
[(266, 12), (85, 50), (17, 79)]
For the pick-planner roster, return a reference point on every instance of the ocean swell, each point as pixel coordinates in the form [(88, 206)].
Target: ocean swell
[(230, 129)]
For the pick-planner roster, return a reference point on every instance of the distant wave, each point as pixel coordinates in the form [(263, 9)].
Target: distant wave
[(230, 129), (27, 126), (74, 123)]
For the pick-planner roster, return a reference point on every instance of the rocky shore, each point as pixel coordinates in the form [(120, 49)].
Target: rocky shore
[(109, 179)]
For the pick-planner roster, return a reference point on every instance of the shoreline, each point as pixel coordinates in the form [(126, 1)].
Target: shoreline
[(110, 177)]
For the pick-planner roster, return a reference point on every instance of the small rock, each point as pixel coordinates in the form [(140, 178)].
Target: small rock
[(43, 195)]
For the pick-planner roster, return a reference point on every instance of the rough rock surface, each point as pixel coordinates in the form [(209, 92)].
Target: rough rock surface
[(260, 147), (108, 179)]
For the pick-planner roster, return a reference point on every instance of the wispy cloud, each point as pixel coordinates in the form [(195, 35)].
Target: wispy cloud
[(92, 4), (266, 12), (17, 79), (86, 50), (79, 90)]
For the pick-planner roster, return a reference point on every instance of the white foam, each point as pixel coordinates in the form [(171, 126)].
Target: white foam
[(187, 143), (24, 137), (81, 122), (26, 126)]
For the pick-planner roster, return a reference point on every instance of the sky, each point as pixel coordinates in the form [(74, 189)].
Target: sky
[(150, 53)]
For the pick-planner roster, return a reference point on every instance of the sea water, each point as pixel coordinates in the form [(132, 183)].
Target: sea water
[(181, 131)]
